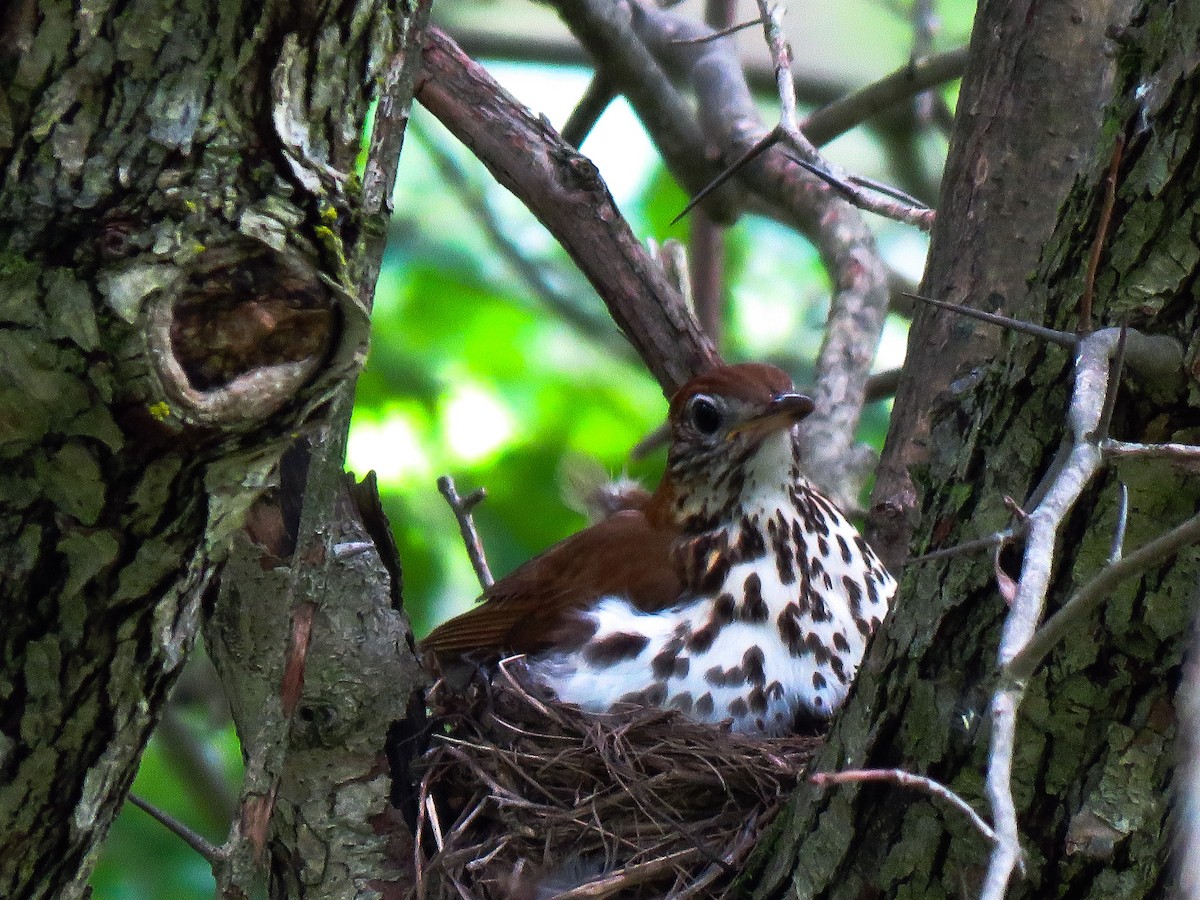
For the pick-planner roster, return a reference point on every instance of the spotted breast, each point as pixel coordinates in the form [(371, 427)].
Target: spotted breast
[(736, 592)]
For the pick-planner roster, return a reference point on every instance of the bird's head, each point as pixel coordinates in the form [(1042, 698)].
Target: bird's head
[(730, 432)]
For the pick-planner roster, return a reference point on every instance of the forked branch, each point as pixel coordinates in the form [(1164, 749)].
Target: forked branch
[(1026, 640), (462, 508)]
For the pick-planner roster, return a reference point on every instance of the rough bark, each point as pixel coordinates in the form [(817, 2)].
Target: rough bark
[(1096, 732), (1017, 149), (179, 254), (306, 630)]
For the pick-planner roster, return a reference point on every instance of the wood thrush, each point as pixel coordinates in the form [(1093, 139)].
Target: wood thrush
[(736, 591)]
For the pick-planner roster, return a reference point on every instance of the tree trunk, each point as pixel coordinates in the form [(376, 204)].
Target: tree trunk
[(182, 244), (1094, 751)]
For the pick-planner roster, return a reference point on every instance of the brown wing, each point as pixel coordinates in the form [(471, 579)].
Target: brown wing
[(536, 605)]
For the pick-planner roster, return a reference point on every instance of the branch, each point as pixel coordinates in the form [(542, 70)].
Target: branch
[(895, 124), (1083, 460), (966, 547), (1157, 359), (781, 58), (812, 88), (607, 29), (891, 203), (212, 854), (790, 134), (1117, 547), (462, 507), (721, 32), (598, 96), (847, 112), (565, 192), (1182, 454), (596, 327), (1068, 618), (1051, 335), (909, 780)]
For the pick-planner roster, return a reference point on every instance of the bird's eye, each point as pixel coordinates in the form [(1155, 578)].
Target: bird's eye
[(705, 414)]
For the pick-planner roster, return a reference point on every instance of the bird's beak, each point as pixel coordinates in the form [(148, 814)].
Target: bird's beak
[(782, 412)]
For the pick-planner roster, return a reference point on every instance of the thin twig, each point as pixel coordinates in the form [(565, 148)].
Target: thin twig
[(908, 780), (781, 58), (461, 507), (1083, 601), (212, 854), (966, 547), (871, 199), (1117, 548), (757, 149), (888, 190), (1182, 453), (719, 33), (847, 112), (892, 202), (1110, 196), (1053, 336)]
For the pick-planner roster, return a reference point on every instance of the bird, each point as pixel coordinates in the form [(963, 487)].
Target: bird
[(736, 593)]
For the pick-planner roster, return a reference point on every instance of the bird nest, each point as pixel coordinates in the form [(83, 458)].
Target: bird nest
[(522, 796)]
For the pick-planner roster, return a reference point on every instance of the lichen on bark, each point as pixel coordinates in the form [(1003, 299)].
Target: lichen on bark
[(178, 229)]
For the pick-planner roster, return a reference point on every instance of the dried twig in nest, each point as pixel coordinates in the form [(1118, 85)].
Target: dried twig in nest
[(527, 797)]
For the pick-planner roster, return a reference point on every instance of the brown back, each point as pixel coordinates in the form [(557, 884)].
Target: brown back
[(536, 605)]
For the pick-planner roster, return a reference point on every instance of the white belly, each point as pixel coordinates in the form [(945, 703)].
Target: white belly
[(790, 657)]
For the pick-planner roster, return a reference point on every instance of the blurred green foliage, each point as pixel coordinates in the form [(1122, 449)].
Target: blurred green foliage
[(472, 373)]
